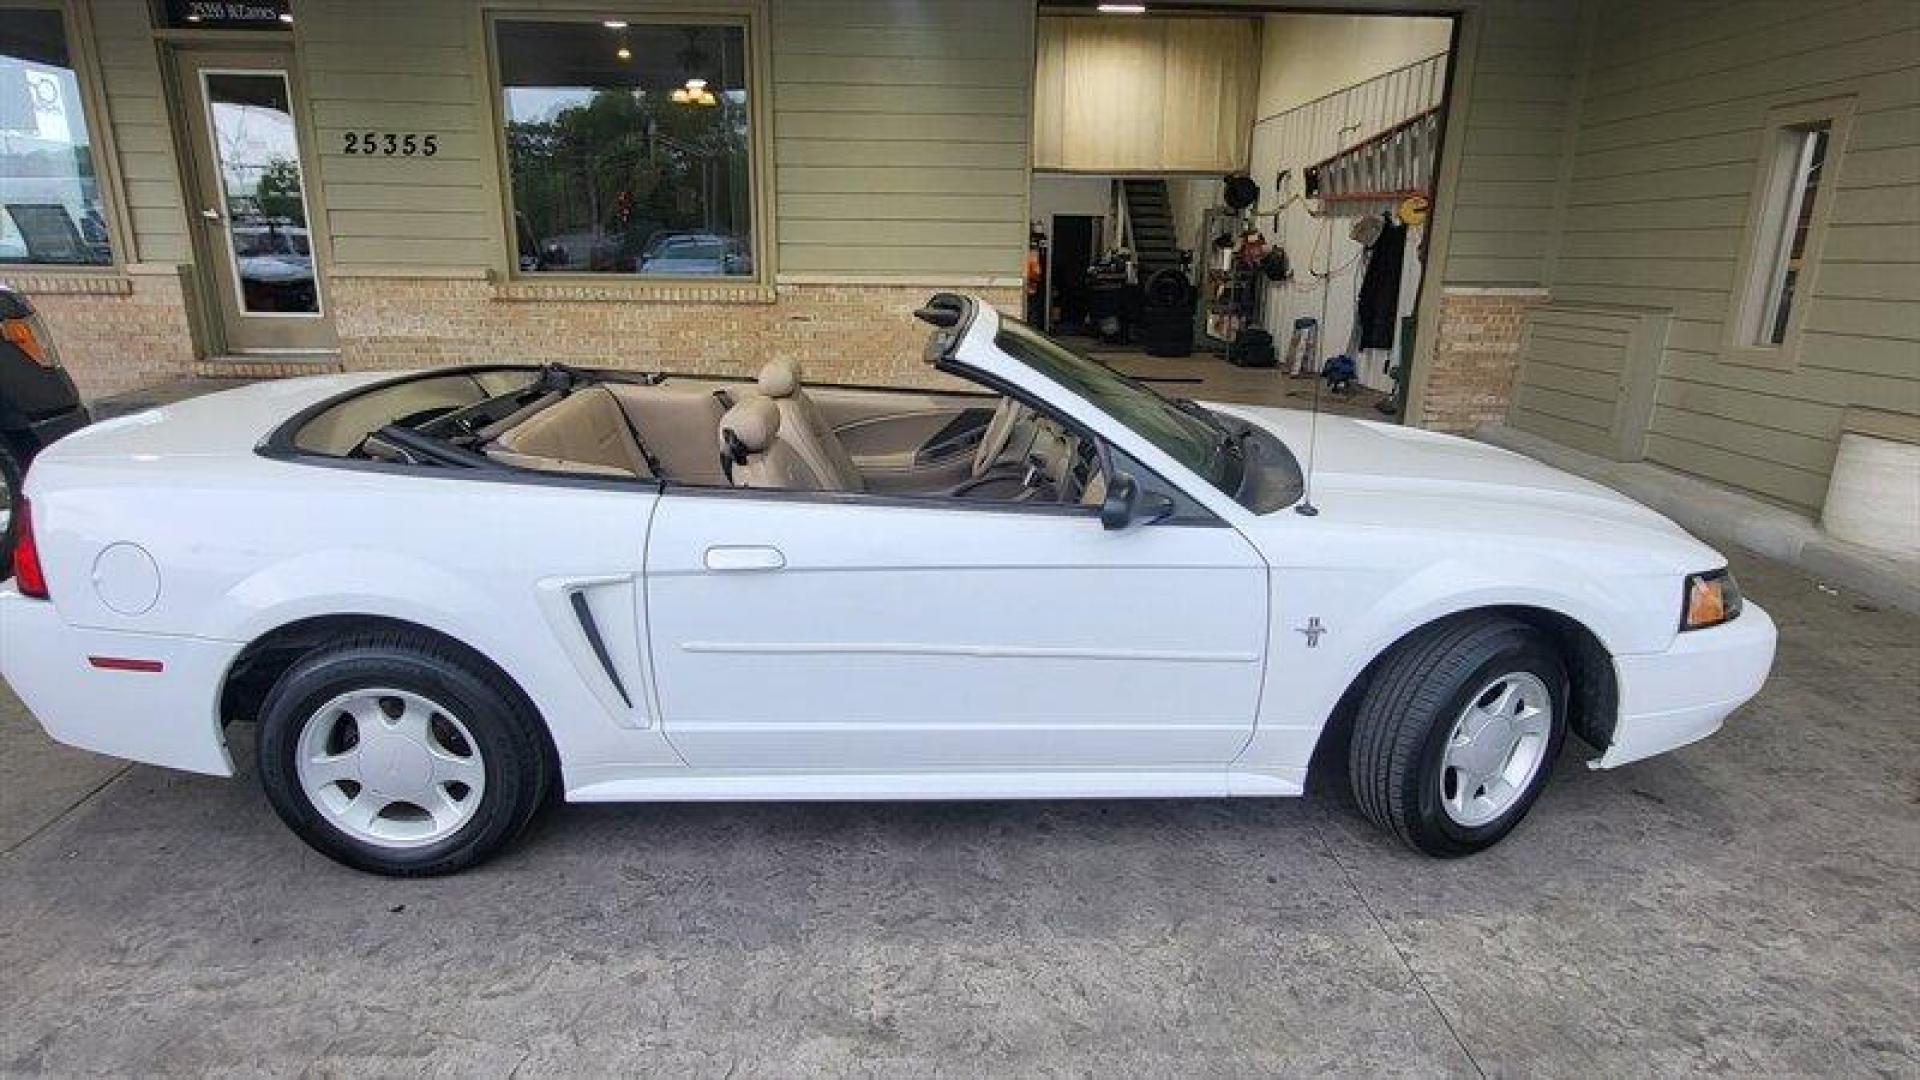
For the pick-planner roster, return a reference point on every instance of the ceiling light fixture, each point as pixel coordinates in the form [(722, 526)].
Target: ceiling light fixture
[(694, 93), (624, 53), (614, 24), (1123, 9)]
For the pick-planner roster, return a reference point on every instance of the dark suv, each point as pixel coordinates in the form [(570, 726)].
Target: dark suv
[(38, 404)]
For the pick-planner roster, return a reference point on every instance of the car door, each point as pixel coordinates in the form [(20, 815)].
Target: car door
[(832, 632)]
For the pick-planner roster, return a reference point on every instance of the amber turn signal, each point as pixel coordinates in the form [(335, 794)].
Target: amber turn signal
[(1712, 598), (19, 332)]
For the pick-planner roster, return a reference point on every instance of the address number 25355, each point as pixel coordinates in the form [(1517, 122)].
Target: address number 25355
[(390, 143)]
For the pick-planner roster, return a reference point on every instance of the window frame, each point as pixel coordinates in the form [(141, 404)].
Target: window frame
[(750, 16), (1776, 179), (282, 444), (76, 16), (987, 388)]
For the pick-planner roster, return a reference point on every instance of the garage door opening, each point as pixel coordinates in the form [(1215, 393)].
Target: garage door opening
[(1234, 204)]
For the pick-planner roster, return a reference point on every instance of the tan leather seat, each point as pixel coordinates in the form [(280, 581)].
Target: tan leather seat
[(750, 437), (806, 429), (678, 424), (587, 432)]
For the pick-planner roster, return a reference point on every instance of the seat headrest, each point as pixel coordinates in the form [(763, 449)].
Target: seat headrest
[(779, 378), (752, 423)]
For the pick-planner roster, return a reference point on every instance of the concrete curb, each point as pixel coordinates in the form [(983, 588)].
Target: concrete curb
[(1721, 515)]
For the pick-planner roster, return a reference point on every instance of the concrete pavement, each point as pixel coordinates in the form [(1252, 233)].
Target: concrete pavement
[(1749, 905)]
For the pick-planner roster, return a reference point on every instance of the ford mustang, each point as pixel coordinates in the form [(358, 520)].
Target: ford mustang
[(443, 597)]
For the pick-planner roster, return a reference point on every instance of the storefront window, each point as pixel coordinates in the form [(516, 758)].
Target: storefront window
[(627, 147), (50, 198)]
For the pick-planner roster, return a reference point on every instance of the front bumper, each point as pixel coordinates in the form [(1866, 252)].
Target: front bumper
[(48, 430), (1672, 698), (170, 717)]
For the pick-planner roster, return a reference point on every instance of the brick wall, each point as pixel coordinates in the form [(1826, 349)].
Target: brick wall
[(837, 333), (1476, 352), (115, 332)]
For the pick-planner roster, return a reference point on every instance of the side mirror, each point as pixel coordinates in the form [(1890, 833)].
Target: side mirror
[(1123, 496), (1126, 504)]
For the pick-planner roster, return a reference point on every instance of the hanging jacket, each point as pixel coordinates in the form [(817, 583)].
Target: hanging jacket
[(1379, 311)]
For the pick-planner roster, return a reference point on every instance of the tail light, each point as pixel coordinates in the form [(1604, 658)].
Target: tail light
[(29, 338), (28, 576)]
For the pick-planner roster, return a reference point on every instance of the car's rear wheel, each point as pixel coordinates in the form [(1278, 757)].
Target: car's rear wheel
[(10, 480), (1457, 733), (391, 754)]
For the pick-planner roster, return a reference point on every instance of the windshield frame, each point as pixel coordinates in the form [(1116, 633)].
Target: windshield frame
[(1205, 443)]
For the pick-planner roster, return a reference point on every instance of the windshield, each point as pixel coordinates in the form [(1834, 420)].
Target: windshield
[(692, 249), (1186, 432)]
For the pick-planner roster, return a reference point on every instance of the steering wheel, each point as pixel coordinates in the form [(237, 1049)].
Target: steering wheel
[(999, 434)]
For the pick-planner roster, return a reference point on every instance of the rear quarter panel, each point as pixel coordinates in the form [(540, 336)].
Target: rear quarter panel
[(244, 545)]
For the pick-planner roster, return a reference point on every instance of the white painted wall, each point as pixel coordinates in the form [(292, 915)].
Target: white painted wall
[(1089, 196), (1320, 73), (1190, 197), (1055, 193), (1307, 56)]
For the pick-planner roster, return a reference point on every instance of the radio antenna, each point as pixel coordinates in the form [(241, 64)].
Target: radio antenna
[(1305, 507)]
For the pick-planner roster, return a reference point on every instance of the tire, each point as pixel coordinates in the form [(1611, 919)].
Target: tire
[(360, 753), (11, 477), (1418, 765)]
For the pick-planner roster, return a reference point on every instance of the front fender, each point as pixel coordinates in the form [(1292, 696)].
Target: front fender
[(1364, 611)]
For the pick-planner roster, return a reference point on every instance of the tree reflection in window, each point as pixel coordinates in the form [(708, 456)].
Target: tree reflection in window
[(628, 147)]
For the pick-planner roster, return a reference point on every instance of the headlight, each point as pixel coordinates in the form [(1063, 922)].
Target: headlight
[(1711, 599)]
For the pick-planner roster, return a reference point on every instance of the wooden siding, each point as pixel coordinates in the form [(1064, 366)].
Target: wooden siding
[(402, 67), (1512, 132), (887, 115), (901, 136), (885, 111), (1587, 376), (1671, 125), (135, 96)]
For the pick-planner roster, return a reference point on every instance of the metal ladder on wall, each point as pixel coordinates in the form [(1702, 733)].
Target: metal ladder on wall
[(1391, 165)]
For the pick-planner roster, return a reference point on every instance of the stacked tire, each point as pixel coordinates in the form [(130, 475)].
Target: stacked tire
[(1166, 319)]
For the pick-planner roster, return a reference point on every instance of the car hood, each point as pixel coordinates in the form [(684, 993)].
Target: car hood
[(231, 422), (1386, 476)]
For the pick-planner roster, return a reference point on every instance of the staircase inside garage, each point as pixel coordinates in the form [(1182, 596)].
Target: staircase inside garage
[(1150, 219)]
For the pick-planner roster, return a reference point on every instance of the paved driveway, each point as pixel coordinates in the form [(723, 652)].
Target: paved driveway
[(1744, 906)]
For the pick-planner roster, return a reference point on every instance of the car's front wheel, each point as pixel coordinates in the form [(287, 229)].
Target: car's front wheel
[(394, 755), (1457, 733)]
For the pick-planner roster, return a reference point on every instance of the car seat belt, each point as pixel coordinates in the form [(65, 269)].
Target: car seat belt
[(653, 463), (734, 454)]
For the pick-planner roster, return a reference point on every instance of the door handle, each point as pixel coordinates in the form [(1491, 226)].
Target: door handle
[(749, 557)]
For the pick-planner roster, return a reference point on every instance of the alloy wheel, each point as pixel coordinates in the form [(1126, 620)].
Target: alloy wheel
[(1495, 749), (391, 768)]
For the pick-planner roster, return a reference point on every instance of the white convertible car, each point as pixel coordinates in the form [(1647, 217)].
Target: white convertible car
[(444, 596)]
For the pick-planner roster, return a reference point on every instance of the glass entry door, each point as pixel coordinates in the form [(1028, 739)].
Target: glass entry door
[(252, 211)]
